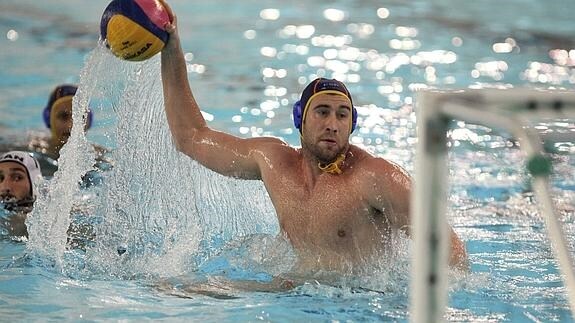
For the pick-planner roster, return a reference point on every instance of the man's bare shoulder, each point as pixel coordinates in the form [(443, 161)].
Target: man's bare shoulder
[(379, 168), (367, 161)]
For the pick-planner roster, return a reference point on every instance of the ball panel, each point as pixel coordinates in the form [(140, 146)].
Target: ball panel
[(112, 9), (131, 41), (132, 10), (155, 12)]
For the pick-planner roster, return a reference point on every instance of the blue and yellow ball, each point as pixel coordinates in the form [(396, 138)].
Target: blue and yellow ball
[(134, 29)]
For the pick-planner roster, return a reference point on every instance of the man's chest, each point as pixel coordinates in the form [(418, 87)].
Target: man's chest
[(331, 212)]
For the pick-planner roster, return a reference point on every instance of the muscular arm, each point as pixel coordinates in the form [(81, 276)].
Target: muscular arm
[(221, 152), (390, 193)]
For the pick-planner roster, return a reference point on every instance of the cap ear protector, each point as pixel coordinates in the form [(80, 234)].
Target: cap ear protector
[(60, 92), (298, 116)]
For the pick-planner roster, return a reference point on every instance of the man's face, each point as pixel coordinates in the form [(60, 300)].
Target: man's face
[(326, 126), (61, 120), (14, 183)]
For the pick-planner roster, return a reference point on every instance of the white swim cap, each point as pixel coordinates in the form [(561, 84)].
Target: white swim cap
[(30, 164)]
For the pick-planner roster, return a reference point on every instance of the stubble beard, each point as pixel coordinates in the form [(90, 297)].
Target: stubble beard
[(323, 156)]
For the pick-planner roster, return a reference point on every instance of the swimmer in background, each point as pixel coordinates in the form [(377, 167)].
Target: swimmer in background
[(57, 116), (19, 176), (337, 204)]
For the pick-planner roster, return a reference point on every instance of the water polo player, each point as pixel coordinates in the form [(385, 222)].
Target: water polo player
[(19, 174), (336, 203), (57, 115)]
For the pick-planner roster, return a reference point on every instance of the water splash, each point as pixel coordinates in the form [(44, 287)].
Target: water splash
[(145, 206), (49, 221), (159, 204), (154, 205)]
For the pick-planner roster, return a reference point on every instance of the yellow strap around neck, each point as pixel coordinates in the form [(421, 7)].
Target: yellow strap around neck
[(333, 167)]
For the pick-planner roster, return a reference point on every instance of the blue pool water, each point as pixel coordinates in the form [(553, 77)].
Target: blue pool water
[(182, 225)]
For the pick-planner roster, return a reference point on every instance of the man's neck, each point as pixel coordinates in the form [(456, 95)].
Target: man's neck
[(313, 168)]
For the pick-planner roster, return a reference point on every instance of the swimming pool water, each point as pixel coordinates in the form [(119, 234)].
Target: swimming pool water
[(181, 224)]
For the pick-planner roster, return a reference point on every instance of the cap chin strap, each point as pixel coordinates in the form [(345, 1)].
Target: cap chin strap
[(333, 167), (24, 205)]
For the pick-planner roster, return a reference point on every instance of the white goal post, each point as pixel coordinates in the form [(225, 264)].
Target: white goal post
[(505, 109)]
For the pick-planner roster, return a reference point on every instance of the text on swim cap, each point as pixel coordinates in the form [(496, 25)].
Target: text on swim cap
[(10, 156)]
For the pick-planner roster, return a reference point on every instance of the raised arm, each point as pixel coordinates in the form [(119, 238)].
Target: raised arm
[(390, 193), (221, 152)]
